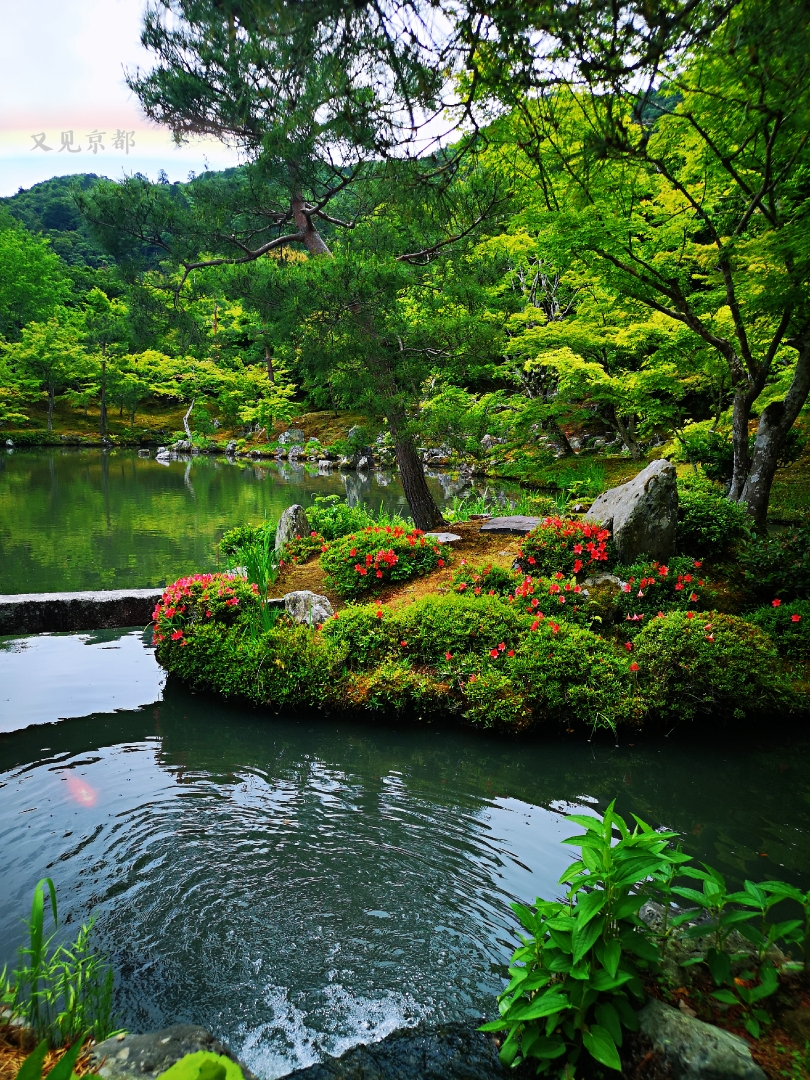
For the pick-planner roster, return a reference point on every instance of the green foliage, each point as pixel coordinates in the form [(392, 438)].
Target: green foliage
[(435, 626), (235, 539), (788, 626), (203, 1065), (708, 524), (375, 557), (332, 516), (221, 599), (777, 565), (486, 580), (60, 992), (575, 978), (563, 545), (301, 548), (32, 279), (705, 664), (712, 450)]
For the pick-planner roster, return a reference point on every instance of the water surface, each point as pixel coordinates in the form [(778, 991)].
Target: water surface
[(299, 884), (76, 519)]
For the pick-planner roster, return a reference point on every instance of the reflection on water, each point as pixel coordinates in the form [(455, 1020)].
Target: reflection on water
[(299, 884), (87, 519)]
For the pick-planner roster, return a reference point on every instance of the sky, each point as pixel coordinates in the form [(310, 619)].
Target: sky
[(62, 65)]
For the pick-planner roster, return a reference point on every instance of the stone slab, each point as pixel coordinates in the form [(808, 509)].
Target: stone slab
[(517, 524), (443, 537), (39, 613)]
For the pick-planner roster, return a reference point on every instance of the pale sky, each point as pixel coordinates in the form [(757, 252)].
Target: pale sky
[(62, 69)]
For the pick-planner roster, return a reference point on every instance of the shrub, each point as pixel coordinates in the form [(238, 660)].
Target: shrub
[(194, 601), (435, 626), (491, 700), (332, 517), (234, 540), (707, 522), (368, 633), (563, 544), (703, 663), (788, 625), (301, 548), (377, 556), (394, 686), (570, 675), (486, 580), (778, 565), (652, 588)]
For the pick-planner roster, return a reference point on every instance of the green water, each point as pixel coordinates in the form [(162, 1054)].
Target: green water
[(299, 884), (86, 519)]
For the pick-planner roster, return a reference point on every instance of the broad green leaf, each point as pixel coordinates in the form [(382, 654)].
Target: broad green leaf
[(608, 1018), (585, 937), (588, 905), (31, 1068), (495, 1025), (690, 894), (599, 1045), (542, 1005), (603, 981), (63, 1069), (611, 956), (728, 997), (547, 1048)]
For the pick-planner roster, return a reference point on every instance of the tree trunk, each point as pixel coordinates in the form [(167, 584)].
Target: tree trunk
[(424, 511), (626, 434), (102, 411), (310, 237), (268, 359), (50, 406), (741, 416), (775, 422), (186, 427), (560, 438)]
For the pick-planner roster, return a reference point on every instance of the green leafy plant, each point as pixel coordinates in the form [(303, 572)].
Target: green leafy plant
[(778, 564), (575, 977), (61, 992), (708, 523), (31, 1068), (788, 625), (651, 587), (301, 548), (203, 1065), (485, 580), (332, 517)]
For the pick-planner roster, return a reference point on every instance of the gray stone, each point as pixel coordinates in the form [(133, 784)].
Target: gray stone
[(642, 514), (231, 447), (308, 607), (489, 441), (365, 463), (443, 537), (695, 1050), (136, 1056), (517, 524), (451, 1052), (325, 463), (182, 444), (293, 522), (144, 453), (39, 613), (294, 435), (9, 442)]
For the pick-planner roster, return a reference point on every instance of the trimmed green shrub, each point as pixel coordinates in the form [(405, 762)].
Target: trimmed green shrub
[(301, 548), (191, 602), (394, 686), (565, 545), (707, 522), (379, 556), (694, 664), (332, 517), (788, 625), (234, 540), (778, 566), (365, 631), (433, 627), (491, 700)]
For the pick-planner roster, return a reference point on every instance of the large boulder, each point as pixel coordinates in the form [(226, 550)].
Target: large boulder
[(142, 1057), (293, 522), (694, 1050), (642, 514), (308, 607)]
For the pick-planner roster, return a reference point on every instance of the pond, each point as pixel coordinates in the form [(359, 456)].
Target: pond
[(73, 519), (299, 884)]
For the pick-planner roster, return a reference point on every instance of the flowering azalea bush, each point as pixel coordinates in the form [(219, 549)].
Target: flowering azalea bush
[(707, 664), (378, 556), (301, 548), (485, 580), (566, 545), (651, 590), (200, 599), (788, 625)]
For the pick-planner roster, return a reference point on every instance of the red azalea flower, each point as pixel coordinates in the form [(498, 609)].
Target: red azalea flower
[(697, 565), (177, 635), (795, 618), (690, 614), (493, 653), (403, 644), (634, 666), (629, 646), (448, 656), (693, 598), (775, 603), (441, 562), (511, 652), (379, 614), (379, 573), (502, 646)]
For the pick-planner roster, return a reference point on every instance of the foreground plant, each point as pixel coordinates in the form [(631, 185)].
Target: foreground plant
[(576, 976), (60, 992)]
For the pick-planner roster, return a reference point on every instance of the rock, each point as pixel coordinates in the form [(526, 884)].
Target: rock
[(294, 435), (604, 579), (443, 537), (796, 1023), (348, 462), (695, 1050), (365, 463), (293, 522), (489, 441), (324, 464), (144, 453), (517, 524), (354, 432), (135, 1056), (9, 442), (451, 1052), (231, 447), (642, 514), (308, 607)]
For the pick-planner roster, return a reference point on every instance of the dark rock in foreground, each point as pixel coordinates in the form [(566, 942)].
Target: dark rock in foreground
[(694, 1050), (139, 1056), (450, 1052), (37, 613)]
